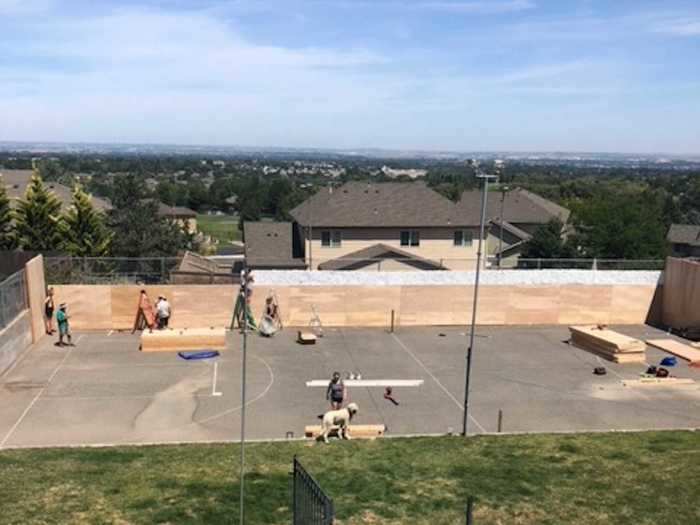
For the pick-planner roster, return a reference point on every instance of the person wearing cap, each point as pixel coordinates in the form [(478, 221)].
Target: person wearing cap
[(163, 312), (63, 326)]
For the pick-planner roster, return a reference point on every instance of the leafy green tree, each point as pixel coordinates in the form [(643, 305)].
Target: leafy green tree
[(38, 218), (138, 229), (8, 241), (83, 228), (547, 243), (622, 226)]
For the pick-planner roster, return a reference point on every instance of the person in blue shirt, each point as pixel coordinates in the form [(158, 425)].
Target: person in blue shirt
[(63, 326)]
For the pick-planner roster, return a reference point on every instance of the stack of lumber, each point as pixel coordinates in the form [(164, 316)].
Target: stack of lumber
[(356, 431), (608, 344), (690, 354), (183, 339)]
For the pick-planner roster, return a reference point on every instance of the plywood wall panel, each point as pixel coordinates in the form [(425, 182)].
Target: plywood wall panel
[(36, 291), (681, 293), (371, 306), (631, 304), (328, 300), (584, 304), (203, 306), (434, 305), (533, 305), (89, 306), (493, 305)]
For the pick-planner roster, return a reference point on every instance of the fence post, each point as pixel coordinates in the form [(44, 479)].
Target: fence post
[(539, 264), (470, 506), (162, 270), (500, 420)]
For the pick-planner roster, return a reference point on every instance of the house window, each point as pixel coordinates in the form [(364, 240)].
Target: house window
[(463, 238), (331, 239), (410, 238)]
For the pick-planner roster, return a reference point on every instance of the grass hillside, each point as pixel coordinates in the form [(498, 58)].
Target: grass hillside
[(621, 478)]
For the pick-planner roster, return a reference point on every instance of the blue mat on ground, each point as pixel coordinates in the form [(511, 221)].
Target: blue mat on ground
[(204, 354), (668, 361)]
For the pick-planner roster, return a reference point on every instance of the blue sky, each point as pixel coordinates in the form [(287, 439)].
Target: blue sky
[(465, 75)]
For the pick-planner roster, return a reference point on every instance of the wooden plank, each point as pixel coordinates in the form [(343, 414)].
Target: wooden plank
[(606, 338), (356, 431), (183, 339), (369, 382), (36, 293), (658, 382), (676, 348)]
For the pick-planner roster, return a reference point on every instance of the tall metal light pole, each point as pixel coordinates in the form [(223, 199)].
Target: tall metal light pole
[(504, 190), (245, 275), (484, 196)]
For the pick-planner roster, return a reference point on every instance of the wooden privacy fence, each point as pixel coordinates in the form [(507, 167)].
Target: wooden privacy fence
[(107, 307)]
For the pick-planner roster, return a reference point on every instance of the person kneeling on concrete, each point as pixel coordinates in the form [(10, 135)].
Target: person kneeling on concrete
[(63, 326), (339, 419)]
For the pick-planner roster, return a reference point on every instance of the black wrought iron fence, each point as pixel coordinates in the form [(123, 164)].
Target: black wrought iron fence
[(13, 298), (310, 505)]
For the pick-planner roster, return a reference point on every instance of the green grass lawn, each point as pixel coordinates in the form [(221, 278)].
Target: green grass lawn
[(635, 478), (221, 227)]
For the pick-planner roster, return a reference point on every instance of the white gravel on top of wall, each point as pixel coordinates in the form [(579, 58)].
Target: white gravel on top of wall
[(448, 278)]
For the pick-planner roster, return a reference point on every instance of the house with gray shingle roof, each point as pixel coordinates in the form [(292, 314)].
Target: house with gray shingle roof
[(684, 240), (409, 226)]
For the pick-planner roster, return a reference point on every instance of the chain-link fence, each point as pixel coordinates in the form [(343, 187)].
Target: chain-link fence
[(110, 270), (13, 298), (577, 264)]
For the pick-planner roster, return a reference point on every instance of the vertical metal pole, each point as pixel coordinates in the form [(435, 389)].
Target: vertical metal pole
[(392, 321), (470, 507), (243, 384), (476, 295), (310, 233), (500, 237), (500, 420)]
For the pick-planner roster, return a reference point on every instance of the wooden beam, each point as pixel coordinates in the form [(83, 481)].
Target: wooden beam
[(356, 431), (183, 339), (678, 349), (369, 382)]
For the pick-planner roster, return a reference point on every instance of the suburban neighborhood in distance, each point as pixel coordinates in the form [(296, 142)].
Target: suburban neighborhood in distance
[(360, 263)]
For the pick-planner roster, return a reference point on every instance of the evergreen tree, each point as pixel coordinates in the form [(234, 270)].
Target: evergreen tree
[(38, 218), (547, 243), (8, 241), (83, 228), (138, 229)]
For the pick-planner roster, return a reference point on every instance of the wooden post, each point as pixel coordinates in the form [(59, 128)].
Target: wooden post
[(392, 322)]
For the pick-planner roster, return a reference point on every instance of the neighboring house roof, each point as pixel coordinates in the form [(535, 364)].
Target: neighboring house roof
[(514, 230), (16, 182), (195, 263), (519, 207), (389, 204), (375, 254), (269, 245), (684, 234), (179, 212)]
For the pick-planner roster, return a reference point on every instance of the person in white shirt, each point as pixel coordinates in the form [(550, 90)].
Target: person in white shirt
[(163, 312)]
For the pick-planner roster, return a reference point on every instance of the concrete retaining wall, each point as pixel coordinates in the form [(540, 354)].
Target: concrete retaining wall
[(14, 340), (628, 300)]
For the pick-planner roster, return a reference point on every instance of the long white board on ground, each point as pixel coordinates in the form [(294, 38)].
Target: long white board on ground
[(369, 382)]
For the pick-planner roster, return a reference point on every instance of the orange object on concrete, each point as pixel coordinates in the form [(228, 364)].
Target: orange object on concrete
[(145, 314)]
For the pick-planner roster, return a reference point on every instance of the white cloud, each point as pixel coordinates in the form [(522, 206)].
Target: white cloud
[(679, 27), (478, 7)]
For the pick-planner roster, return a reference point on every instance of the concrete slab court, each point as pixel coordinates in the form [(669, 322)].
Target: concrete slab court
[(104, 391)]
